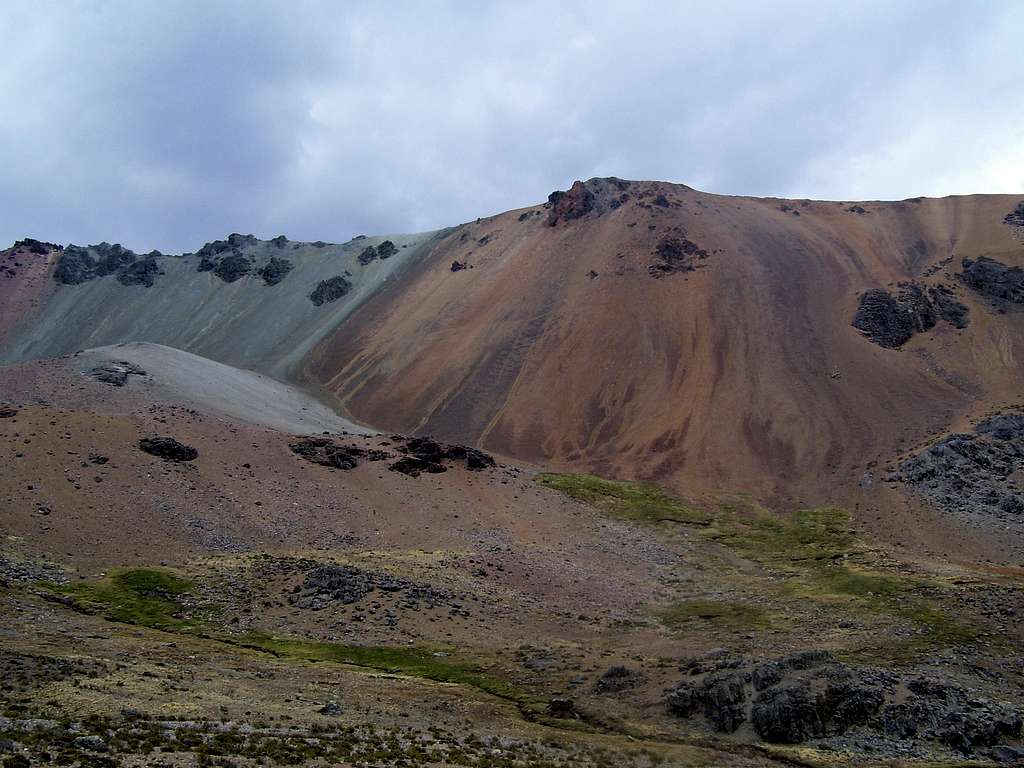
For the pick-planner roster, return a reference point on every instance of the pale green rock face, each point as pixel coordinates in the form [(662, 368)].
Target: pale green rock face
[(244, 323)]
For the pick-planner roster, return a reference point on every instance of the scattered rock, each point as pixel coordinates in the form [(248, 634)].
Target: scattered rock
[(369, 254), (326, 452), (428, 455), (457, 266), (414, 466), (330, 290), (8, 413), (331, 708), (327, 585), (1001, 284), (168, 448), (675, 253), (91, 743), (386, 249), (275, 270)]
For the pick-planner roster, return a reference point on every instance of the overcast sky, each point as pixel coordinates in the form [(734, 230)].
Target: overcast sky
[(167, 124)]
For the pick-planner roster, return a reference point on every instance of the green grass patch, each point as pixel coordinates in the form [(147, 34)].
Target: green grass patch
[(428, 663), (823, 558), (146, 596), (720, 613), (637, 502)]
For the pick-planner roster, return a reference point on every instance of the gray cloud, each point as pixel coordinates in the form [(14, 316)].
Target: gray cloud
[(168, 124)]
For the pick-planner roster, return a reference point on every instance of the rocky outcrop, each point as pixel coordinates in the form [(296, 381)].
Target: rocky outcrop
[(168, 449), (78, 265), (386, 249), (891, 321), (577, 202), (948, 307), (427, 455), (1001, 284), (675, 253), (275, 270), (37, 247), (143, 272), (328, 585), (330, 290), (617, 679), (116, 372), (328, 453), (809, 695), (1015, 218), (368, 254), (972, 474)]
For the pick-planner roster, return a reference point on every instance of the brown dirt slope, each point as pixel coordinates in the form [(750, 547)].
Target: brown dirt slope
[(551, 334)]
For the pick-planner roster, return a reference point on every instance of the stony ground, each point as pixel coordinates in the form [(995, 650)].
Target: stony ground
[(252, 606)]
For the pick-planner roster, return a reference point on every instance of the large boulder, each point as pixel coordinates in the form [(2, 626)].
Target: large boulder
[(168, 449)]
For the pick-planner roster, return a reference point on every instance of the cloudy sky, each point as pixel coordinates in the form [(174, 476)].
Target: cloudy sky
[(167, 124)]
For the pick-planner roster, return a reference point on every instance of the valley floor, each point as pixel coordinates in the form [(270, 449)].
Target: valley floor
[(252, 607)]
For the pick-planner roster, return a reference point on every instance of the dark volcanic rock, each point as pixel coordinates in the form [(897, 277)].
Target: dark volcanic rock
[(617, 679), (8, 413), (75, 266), (274, 271), (428, 455), (322, 450), (787, 714), (330, 290), (116, 372), (891, 321), (37, 247), (1015, 218), (386, 249), (368, 254), (143, 272), (332, 584), (168, 448), (809, 696), (949, 309), (78, 265), (458, 266), (998, 282), (414, 466), (574, 204), (675, 253), (971, 474), (232, 267)]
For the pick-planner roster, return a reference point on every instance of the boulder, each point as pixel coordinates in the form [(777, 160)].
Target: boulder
[(330, 290), (168, 448)]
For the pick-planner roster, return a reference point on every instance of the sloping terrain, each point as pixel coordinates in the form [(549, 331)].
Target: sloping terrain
[(256, 598), (649, 330), (254, 304), (170, 374)]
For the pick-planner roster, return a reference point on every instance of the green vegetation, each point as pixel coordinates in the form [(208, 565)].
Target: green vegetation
[(147, 596), (720, 613), (824, 560), (430, 664), (637, 502)]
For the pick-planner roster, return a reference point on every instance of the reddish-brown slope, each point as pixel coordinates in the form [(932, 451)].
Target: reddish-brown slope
[(556, 345)]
